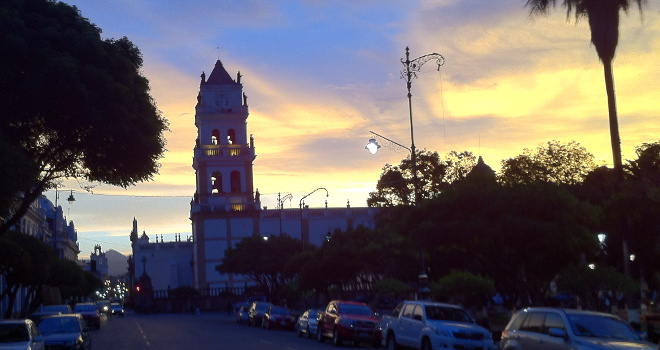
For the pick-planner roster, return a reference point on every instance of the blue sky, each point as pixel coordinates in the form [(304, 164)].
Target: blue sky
[(321, 74)]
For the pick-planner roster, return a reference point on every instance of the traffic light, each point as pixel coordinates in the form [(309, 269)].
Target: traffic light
[(138, 288)]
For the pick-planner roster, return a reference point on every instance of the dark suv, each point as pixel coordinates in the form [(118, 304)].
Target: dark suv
[(90, 313), (558, 329)]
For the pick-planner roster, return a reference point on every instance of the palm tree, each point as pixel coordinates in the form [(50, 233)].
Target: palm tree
[(603, 17)]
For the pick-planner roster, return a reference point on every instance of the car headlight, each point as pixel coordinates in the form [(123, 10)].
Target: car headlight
[(442, 332), (378, 326)]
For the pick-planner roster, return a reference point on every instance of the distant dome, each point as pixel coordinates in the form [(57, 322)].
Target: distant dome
[(482, 172)]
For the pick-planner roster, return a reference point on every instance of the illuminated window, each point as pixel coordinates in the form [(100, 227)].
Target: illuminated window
[(235, 178), (231, 136), (215, 136), (216, 182)]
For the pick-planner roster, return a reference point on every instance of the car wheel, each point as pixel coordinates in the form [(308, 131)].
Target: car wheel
[(309, 334), (299, 330), (319, 334), (267, 325), (426, 344), (335, 338), (391, 342)]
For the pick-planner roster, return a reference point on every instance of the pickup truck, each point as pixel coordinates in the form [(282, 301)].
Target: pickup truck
[(430, 325), (348, 320)]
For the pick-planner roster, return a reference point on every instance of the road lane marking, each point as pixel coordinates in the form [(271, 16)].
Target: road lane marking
[(144, 335)]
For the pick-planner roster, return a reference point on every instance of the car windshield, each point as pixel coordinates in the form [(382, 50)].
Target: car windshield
[(13, 333), (355, 310), (279, 311), (442, 313), (52, 308), (59, 325), (85, 308), (601, 327), (261, 307)]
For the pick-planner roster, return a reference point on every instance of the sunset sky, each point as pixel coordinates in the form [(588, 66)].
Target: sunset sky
[(321, 74)]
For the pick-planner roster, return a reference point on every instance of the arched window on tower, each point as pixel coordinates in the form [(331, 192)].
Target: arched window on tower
[(235, 181), (215, 136), (216, 182), (231, 136)]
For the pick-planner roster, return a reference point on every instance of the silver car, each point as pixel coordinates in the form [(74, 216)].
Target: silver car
[(20, 334), (308, 323), (559, 329)]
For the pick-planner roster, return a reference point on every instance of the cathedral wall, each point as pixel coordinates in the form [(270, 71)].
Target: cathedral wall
[(215, 228)]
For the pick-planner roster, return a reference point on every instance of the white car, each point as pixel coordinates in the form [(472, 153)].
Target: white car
[(20, 334)]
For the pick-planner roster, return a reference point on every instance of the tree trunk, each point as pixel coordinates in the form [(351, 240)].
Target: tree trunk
[(11, 297), (616, 154), (614, 120)]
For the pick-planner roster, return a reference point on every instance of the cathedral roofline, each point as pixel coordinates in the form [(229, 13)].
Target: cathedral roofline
[(219, 76)]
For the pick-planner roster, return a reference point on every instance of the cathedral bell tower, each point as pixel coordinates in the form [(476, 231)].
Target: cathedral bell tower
[(225, 208)]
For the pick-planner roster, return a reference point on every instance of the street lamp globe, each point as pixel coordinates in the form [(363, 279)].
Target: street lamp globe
[(71, 199), (372, 146)]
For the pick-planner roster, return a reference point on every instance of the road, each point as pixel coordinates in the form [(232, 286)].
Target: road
[(186, 331)]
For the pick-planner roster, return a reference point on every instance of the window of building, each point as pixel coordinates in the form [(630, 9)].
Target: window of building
[(231, 136), (215, 136), (235, 181), (216, 182)]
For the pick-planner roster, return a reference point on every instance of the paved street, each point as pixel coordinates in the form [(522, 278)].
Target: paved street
[(185, 331)]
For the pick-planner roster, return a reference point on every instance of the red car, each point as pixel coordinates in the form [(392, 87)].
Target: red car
[(278, 317), (350, 321)]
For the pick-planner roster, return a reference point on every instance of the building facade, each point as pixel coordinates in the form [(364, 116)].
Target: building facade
[(168, 264), (45, 221), (226, 207)]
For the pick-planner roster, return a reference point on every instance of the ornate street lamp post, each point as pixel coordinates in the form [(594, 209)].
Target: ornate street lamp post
[(409, 72), (411, 68), (302, 204)]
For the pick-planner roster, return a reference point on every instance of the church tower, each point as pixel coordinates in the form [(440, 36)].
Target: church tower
[(225, 208)]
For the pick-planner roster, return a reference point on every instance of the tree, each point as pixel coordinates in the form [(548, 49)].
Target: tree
[(28, 265), (561, 163), (646, 168), (603, 17), (519, 236), (74, 105), (464, 288), (396, 186), (264, 261)]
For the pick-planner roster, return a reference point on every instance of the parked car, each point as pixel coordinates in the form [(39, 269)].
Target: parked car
[(242, 314), (63, 308), (431, 325), (557, 329), (256, 312), (49, 310), (349, 320), (278, 317), (90, 313), (20, 335), (36, 317), (116, 309), (65, 332), (308, 323)]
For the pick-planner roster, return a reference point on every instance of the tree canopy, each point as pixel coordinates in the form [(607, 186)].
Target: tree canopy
[(556, 162), (396, 186), (72, 104)]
